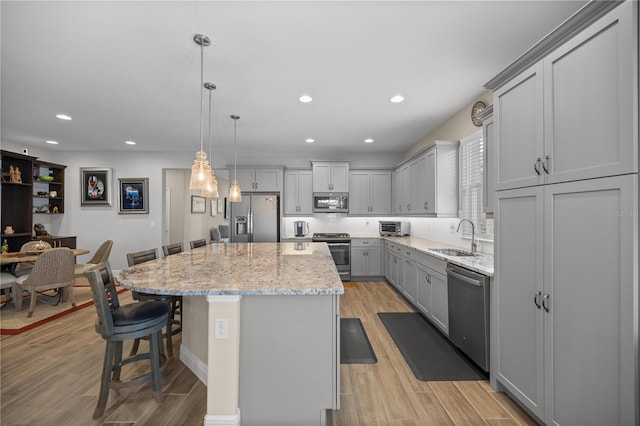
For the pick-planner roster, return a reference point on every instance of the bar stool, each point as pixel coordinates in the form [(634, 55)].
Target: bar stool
[(146, 256), (198, 243), (117, 323)]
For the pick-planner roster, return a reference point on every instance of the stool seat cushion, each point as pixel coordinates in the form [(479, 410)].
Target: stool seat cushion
[(136, 313)]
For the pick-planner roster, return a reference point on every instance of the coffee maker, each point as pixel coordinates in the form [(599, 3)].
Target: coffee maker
[(301, 228)]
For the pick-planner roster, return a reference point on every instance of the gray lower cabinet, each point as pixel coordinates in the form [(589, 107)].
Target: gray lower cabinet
[(565, 285), (366, 257), (422, 279)]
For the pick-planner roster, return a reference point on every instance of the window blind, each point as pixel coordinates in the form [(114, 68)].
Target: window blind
[(471, 186)]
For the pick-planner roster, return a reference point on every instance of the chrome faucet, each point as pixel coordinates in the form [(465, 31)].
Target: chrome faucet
[(474, 246)]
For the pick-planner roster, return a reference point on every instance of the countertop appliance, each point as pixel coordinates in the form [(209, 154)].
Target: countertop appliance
[(394, 228), (256, 219), (301, 228), (469, 313), (330, 202), (340, 248)]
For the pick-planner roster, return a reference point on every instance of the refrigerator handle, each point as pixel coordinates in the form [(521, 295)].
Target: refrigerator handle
[(250, 225)]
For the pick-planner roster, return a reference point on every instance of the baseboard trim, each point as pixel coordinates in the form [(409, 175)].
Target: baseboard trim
[(194, 364), (222, 420)]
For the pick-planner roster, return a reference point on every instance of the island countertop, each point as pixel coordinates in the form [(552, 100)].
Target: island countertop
[(289, 268)]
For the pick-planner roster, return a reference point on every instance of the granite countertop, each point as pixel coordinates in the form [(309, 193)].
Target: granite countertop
[(289, 268), (481, 263)]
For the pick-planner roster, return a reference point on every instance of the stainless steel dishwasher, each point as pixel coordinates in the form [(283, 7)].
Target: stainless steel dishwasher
[(469, 313)]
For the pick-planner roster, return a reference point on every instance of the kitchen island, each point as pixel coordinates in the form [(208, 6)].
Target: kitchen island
[(260, 327)]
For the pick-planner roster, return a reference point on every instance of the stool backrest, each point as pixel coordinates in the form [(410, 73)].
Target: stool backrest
[(141, 256), (198, 243), (170, 249), (224, 231), (52, 269), (105, 296)]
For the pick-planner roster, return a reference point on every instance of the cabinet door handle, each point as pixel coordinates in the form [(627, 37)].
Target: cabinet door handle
[(545, 298), (536, 299), (536, 166), (545, 161), (408, 207), (426, 205)]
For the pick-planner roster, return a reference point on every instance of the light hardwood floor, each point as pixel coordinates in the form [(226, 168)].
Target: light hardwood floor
[(50, 376)]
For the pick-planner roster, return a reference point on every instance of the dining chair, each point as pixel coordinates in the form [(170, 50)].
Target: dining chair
[(24, 268), (117, 323), (170, 249), (215, 235), (173, 301), (100, 256), (52, 270), (9, 283), (224, 232), (198, 243)]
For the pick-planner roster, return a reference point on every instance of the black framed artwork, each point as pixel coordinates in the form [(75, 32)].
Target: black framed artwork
[(134, 195), (95, 186), (198, 204)]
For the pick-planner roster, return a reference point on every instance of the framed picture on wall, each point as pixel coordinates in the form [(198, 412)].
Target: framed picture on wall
[(133, 196), (221, 205), (227, 208), (198, 204), (95, 186), (214, 207)]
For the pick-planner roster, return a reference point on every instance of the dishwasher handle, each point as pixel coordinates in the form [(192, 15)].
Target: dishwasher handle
[(464, 278)]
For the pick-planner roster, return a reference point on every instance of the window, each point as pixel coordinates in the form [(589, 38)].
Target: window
[(471, 187)]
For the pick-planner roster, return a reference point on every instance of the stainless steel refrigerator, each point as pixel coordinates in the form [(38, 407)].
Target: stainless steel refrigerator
[(256, 219)]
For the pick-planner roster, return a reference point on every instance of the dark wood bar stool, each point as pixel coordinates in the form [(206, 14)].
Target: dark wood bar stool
[(198, 243), (117, 323), (146, 256)]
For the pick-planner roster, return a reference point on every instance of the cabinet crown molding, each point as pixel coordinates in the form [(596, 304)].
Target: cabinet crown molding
[(584, 17)]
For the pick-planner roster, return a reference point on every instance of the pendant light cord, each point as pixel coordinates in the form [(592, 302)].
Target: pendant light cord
[(201, 97), (235, 142), (210, 113)]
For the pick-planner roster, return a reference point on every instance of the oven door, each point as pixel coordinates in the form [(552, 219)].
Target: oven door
[(341, 253)]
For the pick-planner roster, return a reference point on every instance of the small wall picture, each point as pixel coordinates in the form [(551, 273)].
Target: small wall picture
[(198, 204), (214, 207), (227, 208), (134, 195), (95, 186), (221, 205)]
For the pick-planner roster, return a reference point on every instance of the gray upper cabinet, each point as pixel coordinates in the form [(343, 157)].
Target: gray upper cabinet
[(570, 116), (369, 192), (330, 176), (298, 197), (267, 179), (428, 183)]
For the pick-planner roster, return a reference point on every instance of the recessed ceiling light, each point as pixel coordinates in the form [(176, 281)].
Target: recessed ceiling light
[(305, 99), (397, 99), (52, 142), (309, 140), (368, 140), (130, 142), (63, 117)]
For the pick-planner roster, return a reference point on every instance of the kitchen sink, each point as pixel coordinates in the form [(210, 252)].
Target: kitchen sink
[(452, 252)]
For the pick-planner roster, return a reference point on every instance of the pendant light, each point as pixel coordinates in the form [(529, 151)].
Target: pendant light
[(235, 195), (200, 170), (211, 187)]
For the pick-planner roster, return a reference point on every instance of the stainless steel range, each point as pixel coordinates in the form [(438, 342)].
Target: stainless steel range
[(340, 247)]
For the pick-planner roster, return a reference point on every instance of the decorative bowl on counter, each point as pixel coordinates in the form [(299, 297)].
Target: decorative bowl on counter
[(46, 178)]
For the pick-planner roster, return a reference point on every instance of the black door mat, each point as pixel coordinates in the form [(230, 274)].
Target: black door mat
[(354, 343), (430, 355)]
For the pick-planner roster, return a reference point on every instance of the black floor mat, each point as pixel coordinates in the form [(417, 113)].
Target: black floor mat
[(429, 354), (354, 343)]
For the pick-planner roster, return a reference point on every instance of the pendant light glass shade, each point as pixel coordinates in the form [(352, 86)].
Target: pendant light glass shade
[(235, 195), (200, 171), (210, 188)]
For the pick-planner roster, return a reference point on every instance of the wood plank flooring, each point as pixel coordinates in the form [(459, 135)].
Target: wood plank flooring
[(50, 376)]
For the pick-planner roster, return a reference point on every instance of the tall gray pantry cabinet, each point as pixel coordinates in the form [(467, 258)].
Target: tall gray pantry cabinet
[(566, 234)]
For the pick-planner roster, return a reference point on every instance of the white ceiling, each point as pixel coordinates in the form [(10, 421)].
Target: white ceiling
[(131, 71)]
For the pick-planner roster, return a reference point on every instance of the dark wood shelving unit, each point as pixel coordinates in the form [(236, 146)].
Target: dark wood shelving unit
[(19, 199)]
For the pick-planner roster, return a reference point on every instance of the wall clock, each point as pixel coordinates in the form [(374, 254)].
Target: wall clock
[(475, 110)]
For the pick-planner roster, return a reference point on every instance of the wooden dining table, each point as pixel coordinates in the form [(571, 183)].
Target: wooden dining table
[(18, 257)]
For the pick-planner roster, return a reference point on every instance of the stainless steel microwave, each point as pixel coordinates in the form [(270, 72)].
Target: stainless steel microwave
[(330, 203)]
